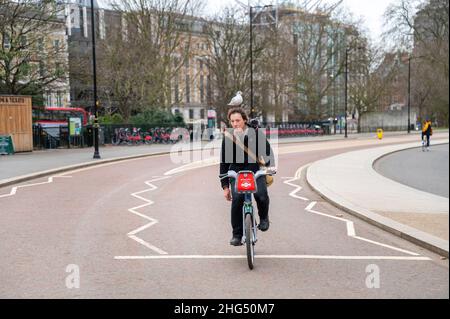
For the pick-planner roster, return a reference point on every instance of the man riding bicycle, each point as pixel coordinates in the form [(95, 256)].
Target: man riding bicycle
[(234, 157)]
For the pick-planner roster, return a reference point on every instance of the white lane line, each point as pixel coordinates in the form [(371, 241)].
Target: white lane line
[(349, 224), (194, 165), (119, 161), (351, 231), (404, 258), (152, 221), (15, 188), (297, 188)]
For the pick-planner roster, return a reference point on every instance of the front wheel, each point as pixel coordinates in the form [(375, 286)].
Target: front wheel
[(249, 240)]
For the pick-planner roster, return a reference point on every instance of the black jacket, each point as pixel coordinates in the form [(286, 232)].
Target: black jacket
[(233, 157)]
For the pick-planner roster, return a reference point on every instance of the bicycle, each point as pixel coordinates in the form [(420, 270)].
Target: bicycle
[(245, 183)]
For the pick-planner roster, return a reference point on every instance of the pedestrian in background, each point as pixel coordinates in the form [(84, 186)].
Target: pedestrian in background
[(427, 131)]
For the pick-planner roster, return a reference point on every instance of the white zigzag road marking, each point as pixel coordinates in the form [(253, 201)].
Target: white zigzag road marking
[(15, 188), (350, 226), (351, 231), (297, 188), (152, 222)]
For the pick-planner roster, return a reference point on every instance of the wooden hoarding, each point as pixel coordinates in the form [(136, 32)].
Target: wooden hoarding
[(16, 120)]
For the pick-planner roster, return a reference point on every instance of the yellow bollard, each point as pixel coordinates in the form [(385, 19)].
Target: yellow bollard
[(380, 133)]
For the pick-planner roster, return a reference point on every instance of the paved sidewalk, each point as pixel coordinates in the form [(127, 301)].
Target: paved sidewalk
[(417, 216)]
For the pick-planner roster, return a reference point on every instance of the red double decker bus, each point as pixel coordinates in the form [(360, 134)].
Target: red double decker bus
[(58, 116)]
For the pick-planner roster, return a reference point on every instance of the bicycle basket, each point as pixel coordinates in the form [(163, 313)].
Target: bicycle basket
[(246, 182)]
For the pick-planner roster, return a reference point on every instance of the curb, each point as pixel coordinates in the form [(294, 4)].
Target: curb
[(420, 238)]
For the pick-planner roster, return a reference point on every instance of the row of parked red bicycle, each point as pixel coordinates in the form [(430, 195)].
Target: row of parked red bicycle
[(296, 131), (135, 136)]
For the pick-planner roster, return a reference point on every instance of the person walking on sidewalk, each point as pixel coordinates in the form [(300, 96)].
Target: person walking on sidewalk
[(427, 131)]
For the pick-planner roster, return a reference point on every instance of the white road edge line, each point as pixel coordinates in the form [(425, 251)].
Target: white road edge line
[(351, 231), (15, 188), (276, 257), (349, 224), (152, 222), (296, 177)]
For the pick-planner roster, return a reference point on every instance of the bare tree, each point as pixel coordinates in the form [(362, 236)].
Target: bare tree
[(275, 67), (139, 59), (229, 60), (32, 55), (320, 43), (120, 72), (371, 83), (423, 28)]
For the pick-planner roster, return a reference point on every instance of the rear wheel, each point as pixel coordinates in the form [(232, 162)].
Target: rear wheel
[(249, 240)]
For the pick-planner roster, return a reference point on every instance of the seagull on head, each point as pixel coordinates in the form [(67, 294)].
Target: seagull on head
[(237, 100)]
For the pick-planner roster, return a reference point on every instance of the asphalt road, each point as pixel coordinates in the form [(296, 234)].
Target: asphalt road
[(426, 171), (131, 231)]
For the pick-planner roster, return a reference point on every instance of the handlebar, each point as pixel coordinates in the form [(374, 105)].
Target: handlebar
[(258, 174)]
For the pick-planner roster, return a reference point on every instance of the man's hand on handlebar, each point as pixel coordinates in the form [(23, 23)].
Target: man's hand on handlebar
[(227, 193)]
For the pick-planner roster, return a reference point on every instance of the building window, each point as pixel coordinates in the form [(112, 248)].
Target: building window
[(202, 113), (101, 25), (191, 114), (188, 89), (41, 45), (23, 41), (202, 89), (26, 66), (48, 98), (59, 99), (41, 69), (6, 41), (177, 90), (208, 89), (56, 45)]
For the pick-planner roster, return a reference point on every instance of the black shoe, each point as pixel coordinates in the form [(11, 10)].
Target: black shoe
[(263, 224), (236, 241)]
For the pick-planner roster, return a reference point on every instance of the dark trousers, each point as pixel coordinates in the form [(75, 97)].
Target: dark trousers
[(428, 138), (262, 201)]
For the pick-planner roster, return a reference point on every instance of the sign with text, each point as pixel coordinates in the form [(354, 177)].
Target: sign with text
[(8, 100), (75, 126)]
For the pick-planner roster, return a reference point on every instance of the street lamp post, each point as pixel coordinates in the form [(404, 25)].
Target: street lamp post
[(346, 84), (409, 94), (251, 63), (96, 138), (251, 55)]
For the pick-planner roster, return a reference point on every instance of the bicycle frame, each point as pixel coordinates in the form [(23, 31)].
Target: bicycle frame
[(247, 208)]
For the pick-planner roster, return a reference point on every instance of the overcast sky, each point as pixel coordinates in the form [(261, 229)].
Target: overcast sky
[(369, 10)]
